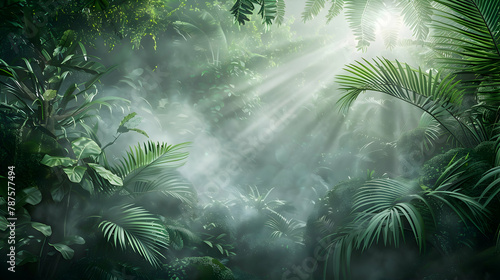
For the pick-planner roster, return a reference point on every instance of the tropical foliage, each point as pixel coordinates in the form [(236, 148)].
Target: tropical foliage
[(360, 14), (390, 210), (90, 200)]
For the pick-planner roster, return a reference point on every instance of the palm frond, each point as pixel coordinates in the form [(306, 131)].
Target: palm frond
[(143, 163), (390, 33), (283, 227), (335, 9), (493, 189), (180, 235), (435, 94), (417, 15), (99, 269), (431, 128), (131, 227), (470, 33), (361, 14), (467, 208), (312, 9), (170, 184), (242, 9), (268, 11), (385, 205), (280, 12)]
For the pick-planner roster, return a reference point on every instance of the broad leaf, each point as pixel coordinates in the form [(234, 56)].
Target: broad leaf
[(31, 196), (57, 161), (85, 147), (65, 250), (106, 174), (43, 228), (49, 94), (73, 239), (75, 173)]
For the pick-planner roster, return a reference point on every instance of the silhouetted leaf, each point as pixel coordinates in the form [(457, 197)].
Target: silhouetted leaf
[(65, 250)]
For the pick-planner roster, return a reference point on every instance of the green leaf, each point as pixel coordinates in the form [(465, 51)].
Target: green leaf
[(67, 39), (127, 118), (73, 239), (49, 94), (23, 257), (106, 174), (58, 192), (208, 243), (141, 163), (99, 5), (75, 173), (139, 131), (57, 161), (65, 250), (85, 147), (87, 185), (3, 223), (242, 9), (43, 228), (220, 248), (135, 228), (31, 196), (312, 9)]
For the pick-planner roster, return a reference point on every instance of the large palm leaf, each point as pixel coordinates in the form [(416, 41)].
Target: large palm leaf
[(361, 16), (385, 209), (434, 93), (144, 163), (469, 31), (170, 184), (150, 168), (417, 15), (283, 227), (132, 227)]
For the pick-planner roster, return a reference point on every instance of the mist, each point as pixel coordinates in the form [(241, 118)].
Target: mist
[(207, 140)]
